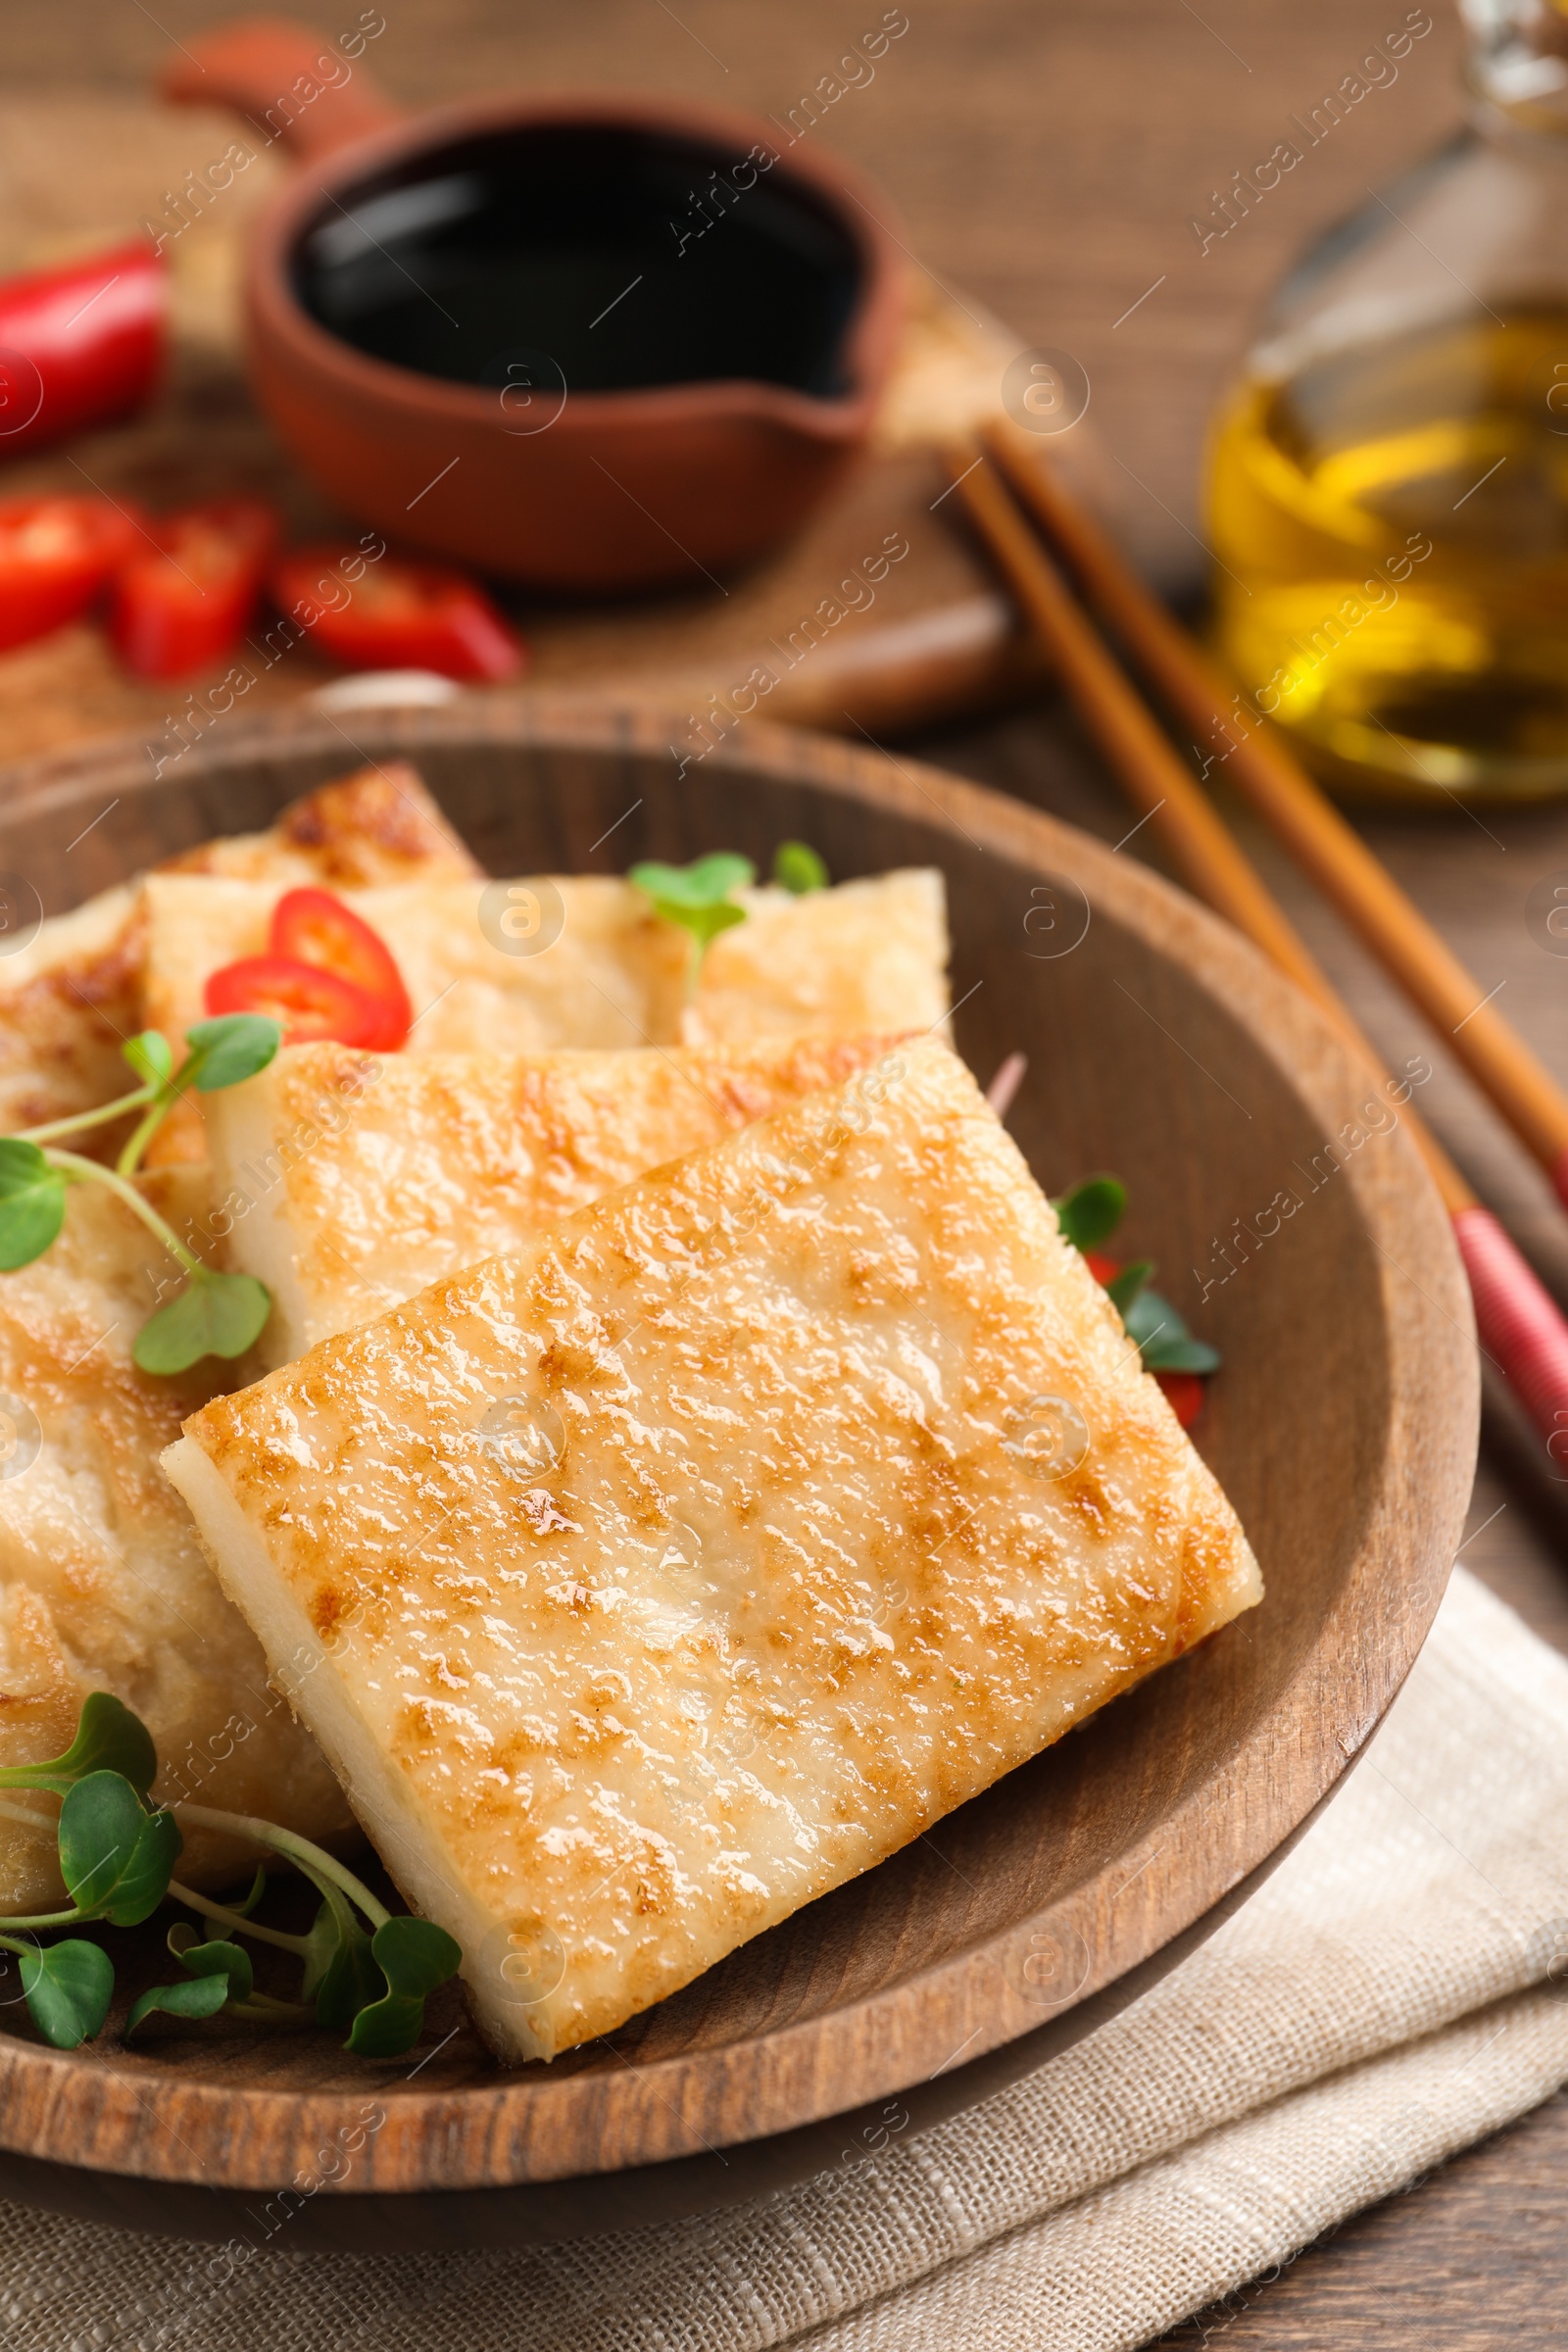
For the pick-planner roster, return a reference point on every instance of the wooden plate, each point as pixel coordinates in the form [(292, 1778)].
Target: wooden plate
[(1342, 1426)]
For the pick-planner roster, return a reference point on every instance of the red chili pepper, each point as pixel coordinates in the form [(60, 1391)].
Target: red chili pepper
[(56, 556), (313, 927), (1184, 1392), (310, 1005), (79, 346), (1103, 1269), (180, 605), (394, 615)]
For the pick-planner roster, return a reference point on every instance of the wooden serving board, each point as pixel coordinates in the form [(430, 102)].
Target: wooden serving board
[(934, 636), (1158, 1044)]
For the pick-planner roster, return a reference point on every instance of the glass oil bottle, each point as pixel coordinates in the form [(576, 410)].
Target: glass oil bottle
[(1388, 491)]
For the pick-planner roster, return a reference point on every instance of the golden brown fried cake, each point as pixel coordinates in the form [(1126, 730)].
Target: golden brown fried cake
[(376, 827), (70, 997), (347, 1182), (864, 957), (608, 973), (615, 975), (103, 1584), (647, 1586)]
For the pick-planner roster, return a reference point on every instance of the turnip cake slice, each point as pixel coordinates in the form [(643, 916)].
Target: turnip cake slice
[(374, 827), (72, 993), (103, 1584), (865, 956), (582, 961), (347, 1182), (608, 971), (645, 1586)]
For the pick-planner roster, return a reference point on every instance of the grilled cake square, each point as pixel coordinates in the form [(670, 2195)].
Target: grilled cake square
[(103, 1583), (366, 832), (347, 1182), (72, 993), (648, 1584), (610, 972), (863, 956), (587, 962)]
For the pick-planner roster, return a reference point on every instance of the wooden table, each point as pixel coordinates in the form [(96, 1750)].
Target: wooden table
[(1052, 160)]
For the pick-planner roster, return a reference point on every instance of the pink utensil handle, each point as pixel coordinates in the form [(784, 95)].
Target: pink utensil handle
[(1518, 1324)]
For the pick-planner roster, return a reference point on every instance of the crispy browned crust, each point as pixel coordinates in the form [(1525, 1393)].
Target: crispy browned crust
[(347, 1182), (377, 825), (103, 1584), (785, 1585), (61, 1029), (64, 1020)]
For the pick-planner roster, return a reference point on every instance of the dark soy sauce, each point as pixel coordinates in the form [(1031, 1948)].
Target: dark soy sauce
[(615, 254)]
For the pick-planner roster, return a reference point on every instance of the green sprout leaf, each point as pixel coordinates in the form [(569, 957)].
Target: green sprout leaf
[(229, 1049), (1124, 1287), (222, 1979), (150, 1056), (32, 1202), (352, 1981), (323, 1945), (115, 1857), (798, 868), (109, 1738), (199, 1996), (220, 1956), (68, 1988), (414, 1956), (1089, 1215), (1091, 1212), (697, 896), (215, 1314), (703, 883), (1163, 1339), (221, 1053)]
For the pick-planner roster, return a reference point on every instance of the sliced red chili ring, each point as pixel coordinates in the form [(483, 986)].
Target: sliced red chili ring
[(310, 1005), (56, 554), (1184, 1392), (315, 927), (388, 614), (181, 604)]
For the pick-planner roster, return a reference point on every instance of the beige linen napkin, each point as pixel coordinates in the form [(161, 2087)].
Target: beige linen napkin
[(1387, 1998)]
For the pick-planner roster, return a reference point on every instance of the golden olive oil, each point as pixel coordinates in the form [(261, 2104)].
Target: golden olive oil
[(1391, 525)]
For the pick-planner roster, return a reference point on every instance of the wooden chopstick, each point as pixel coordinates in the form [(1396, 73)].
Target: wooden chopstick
[(1301, 815), (1519, 1326), (1155, 778)]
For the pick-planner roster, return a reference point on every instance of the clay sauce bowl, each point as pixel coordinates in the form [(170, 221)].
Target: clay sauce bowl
[(728, 379)]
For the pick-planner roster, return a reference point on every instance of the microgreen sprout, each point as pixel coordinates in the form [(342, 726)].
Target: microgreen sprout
[(362, 1971), (216, 1313), (1091, 1212), (699, 896), (798, 868), (1087, 1216), (1163, 1339)]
